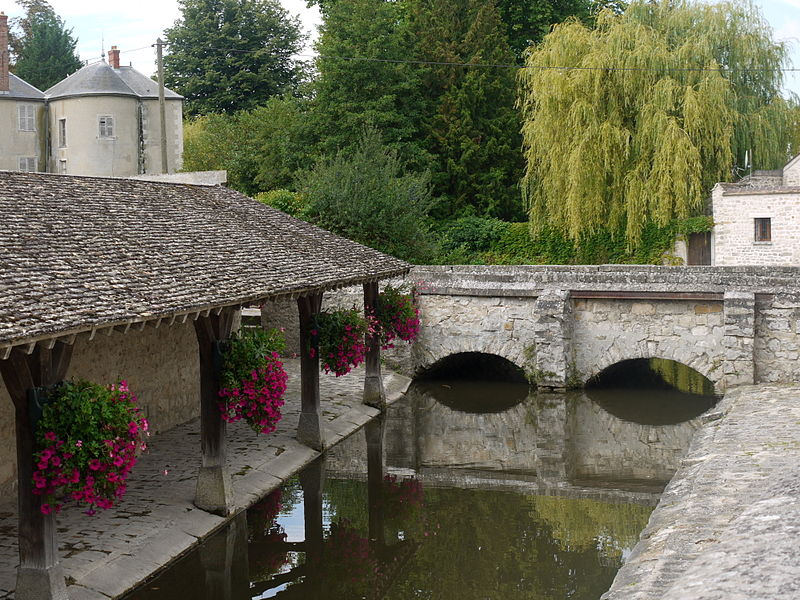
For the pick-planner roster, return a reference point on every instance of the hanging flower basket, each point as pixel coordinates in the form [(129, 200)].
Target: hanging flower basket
[(253, 380), (338, 338), (397, 316), (88, 438)]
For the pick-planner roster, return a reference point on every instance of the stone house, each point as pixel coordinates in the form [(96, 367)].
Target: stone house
[(111, 278), (757, 220), (102, 120)]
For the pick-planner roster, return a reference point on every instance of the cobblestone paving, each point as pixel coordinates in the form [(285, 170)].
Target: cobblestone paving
[(107, 554), (728, 524)]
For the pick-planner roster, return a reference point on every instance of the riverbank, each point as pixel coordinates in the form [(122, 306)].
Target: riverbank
[(728, 524), (110, 553)]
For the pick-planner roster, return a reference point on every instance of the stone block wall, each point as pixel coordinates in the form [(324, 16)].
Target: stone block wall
[(777, 339), (791, 172), (161, 366), (734, 227), (608, 331)]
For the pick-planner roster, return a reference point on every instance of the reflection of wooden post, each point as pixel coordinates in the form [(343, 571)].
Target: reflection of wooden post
[(374, 394), (309, 430), (312, 479), (214, 491), (376, 468), (222, 561), (39, 575)]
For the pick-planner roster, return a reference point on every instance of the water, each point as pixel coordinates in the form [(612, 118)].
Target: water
[(466, 490)]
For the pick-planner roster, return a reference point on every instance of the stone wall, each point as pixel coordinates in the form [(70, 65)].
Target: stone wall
[(608, 331), (777, 339), (734, 227), (161, 365)]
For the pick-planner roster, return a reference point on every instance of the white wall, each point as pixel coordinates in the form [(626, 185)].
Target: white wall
[(15, 143)]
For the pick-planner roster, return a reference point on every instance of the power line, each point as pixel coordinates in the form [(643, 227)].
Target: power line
[(514, 66)]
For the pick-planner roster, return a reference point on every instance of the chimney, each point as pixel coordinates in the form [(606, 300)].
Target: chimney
[(113, 57), (3, 53)]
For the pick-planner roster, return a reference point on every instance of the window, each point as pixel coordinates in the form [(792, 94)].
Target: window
[(27, 118), (763, 229), (62, 167), (106, 123), (62, 133), (27, 164)]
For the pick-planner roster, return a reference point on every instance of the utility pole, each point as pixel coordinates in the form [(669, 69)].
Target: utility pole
[(162, 106)]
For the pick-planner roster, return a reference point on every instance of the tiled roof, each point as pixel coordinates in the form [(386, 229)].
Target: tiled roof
[(19, 89), (79, 253), (102, 79)]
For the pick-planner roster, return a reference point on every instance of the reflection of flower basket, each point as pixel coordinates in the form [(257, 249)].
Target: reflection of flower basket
[(348, 565), (253, 379), (266, 537), (88, 438), (402, 504)]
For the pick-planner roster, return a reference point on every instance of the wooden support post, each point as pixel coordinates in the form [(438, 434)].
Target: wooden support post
[(374, 394), (39, 575), (214, 491), (309, 430), (376, 471), (312, 479), (224, 560)]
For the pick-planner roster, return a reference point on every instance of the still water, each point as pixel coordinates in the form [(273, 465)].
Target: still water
[(465, 490)]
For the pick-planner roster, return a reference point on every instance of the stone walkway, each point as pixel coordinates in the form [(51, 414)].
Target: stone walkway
[(110, 553), (728, 524)]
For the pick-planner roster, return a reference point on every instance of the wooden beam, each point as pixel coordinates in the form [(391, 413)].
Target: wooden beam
[(309, 429), (374, 394), (214, 492), (376, 469), (39, 574)]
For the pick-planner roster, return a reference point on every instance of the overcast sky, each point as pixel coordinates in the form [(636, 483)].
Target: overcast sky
[(133, 26)]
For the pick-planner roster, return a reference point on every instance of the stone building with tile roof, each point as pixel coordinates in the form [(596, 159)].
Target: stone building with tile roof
[(111, 278), (102, 120)]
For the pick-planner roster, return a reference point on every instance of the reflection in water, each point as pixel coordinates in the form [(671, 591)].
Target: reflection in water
[(475, 396), (541, 500)]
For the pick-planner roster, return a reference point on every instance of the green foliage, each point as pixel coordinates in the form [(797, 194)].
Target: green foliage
[(528, 21), (261, 149), (231, 55), (247, 351), (350, 93), (473, 131), (45, 52), (645, 141), (474, 234), (291, 203), (366, 196)]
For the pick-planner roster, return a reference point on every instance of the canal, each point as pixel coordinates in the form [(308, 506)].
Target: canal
[(473, 486)]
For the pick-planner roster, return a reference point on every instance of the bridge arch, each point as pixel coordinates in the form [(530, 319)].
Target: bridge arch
[(427, 356), (475, 365), (702, 362)]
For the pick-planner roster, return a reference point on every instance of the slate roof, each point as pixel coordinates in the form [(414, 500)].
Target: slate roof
[(19, 89), (100, 78), (80, 253)]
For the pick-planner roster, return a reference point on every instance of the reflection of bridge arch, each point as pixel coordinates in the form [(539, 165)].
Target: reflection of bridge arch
[(701, 362)]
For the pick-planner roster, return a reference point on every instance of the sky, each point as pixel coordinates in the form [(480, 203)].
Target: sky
[(134, 26)]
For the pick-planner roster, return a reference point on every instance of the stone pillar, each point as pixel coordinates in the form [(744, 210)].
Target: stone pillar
[(39, 574), (214, 492), (739, 339), (374, 394), (309, 429), (552, 351)]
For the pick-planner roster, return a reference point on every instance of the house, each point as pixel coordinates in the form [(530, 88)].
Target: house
[(105, 278), (102, 120), (757, 220)]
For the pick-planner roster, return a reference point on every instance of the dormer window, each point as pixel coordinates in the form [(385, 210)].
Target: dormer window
[(106, 126)]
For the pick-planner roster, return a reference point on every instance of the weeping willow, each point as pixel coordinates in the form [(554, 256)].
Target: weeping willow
[(664, 102)]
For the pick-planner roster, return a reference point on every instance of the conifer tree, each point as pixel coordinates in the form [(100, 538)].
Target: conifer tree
[(663, 103)]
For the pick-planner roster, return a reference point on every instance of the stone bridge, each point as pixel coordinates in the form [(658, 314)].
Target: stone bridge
[(565, 324)]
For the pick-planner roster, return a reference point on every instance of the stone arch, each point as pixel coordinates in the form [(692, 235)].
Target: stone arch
[(699, 361), (425, 356), (479, 364)]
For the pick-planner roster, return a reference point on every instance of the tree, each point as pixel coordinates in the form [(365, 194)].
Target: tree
[(366, 195), (351, 93), (45, 49), (473, 130), (231, 55), (528, 21), (661, 106)]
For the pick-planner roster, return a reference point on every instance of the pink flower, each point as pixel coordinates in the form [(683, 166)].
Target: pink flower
[(79, 444), (50, 436), (95, 464)]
